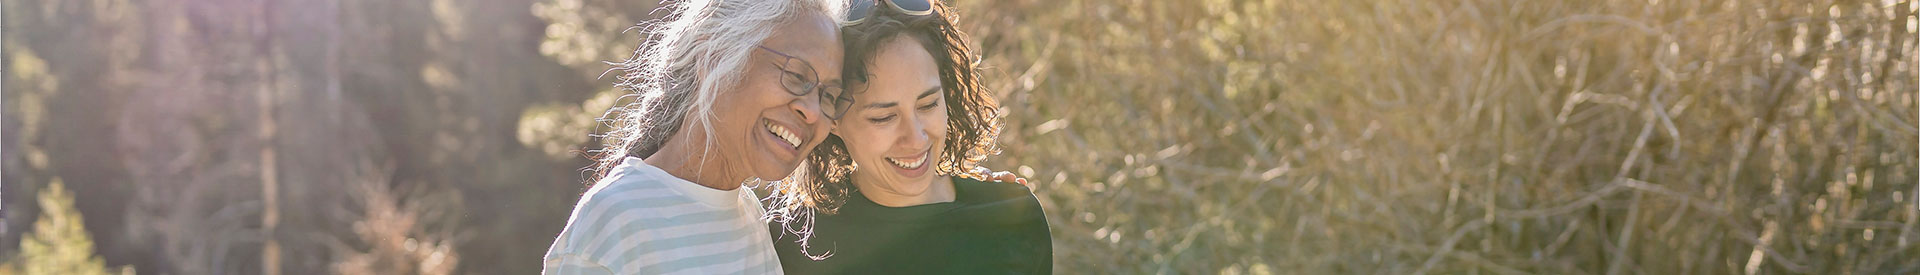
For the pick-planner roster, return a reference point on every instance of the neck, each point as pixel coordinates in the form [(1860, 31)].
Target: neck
[(938, 191), (686, 158)]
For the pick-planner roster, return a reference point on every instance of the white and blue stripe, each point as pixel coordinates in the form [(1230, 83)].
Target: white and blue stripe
[(641, 220)]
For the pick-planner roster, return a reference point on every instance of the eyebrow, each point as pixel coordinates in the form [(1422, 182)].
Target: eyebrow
[(929, 92)]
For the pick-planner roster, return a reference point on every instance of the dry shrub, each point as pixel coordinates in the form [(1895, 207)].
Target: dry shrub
[(1456, 136), (406, 231)]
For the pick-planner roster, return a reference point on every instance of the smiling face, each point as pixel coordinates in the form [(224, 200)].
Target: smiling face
[(761, 128), (897, 128)]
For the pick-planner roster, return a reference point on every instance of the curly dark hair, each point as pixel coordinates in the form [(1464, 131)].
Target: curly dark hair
[(973, 122)]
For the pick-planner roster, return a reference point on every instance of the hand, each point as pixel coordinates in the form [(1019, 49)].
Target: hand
[(1000, 176)]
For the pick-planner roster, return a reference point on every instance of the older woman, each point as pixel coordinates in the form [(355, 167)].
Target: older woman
[(730, 92), (885, 184)]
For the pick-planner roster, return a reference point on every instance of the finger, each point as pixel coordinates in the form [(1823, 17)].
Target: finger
[(1004, 177), (1009, 177)]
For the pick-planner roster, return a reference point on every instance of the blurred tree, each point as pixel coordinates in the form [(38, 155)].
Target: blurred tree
[(30, 87), (1469, 136), (395, 231), (1212, 136), (583, 35), (59, 242), (64, 56)]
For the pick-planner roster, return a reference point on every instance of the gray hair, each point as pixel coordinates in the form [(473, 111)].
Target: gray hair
[(687, 60)]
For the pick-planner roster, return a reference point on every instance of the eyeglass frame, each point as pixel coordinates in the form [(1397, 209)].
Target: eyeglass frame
[(833, 104)]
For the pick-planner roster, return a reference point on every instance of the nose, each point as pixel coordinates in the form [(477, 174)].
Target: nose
[(917, 139), (809, 110)]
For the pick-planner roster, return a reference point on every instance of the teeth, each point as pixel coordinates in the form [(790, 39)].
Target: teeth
[(911, 164), (784, 134)]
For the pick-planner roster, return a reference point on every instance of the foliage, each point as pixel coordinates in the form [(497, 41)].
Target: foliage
[(1208, 136), (1665, 137), (59, 242), (176, 116)]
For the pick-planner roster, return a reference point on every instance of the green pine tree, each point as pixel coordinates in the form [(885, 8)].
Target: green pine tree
[(59, 243)]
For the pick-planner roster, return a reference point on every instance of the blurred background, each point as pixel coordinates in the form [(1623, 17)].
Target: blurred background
[(1180, 137)]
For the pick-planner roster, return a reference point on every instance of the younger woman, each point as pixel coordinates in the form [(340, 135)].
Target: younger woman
[(886, 183)]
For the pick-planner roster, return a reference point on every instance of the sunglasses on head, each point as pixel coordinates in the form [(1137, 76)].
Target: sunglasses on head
[(859, 10)]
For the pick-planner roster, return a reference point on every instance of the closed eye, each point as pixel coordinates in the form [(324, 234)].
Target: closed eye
[(796, 79), (883, 119)]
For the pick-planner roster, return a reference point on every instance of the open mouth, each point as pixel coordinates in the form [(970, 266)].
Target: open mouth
[(911, 167), (910, 164), (784, 134)]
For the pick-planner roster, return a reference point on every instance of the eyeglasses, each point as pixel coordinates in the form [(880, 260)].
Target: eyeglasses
[(800, 79), (859, 10)]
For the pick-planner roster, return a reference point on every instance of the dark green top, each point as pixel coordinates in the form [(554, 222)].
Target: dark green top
[(989, 228)]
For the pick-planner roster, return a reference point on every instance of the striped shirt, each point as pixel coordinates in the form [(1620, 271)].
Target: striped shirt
[(641, 220)]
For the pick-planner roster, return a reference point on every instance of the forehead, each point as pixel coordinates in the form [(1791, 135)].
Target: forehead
[(813, 38), (901, 67)]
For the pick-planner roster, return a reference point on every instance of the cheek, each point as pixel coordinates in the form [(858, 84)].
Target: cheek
[(936, 127), (869, 146), (759, 91), (759, 95), (728, 120), (739, 112), (858, 139)]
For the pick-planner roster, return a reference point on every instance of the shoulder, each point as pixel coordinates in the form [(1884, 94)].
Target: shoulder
[(625, 194), (614, 208), (991, 191), (998, 202), (1012, 210), (634, 222)]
